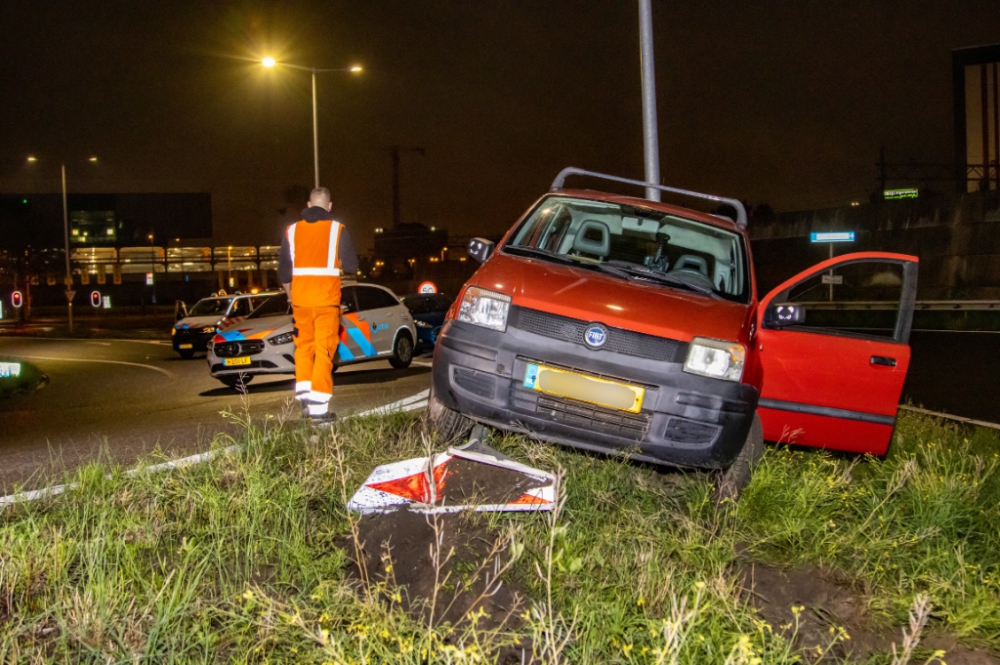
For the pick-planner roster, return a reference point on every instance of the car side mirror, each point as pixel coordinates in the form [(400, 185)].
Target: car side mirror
[(481, 249), (784, 314)]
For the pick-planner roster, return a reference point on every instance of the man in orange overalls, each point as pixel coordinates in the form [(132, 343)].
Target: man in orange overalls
[(314, 253)]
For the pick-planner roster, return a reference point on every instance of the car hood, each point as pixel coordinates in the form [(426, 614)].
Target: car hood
[(197, 322), (254, 328), (587, 295)]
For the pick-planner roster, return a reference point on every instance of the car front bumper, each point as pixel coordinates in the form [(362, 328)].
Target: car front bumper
[(273, 360), (685, 420), (198, 340)]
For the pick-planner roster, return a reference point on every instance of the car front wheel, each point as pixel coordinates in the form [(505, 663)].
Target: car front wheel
[(446, 423), (732, 481), (402, 353)]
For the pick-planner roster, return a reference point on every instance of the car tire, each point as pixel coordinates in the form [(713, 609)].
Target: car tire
[(237, 382), (731, 482), (186, 354), (402, 352), (447, 424)]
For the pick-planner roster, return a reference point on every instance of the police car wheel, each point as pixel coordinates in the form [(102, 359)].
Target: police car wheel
[(731, 482), (186, 354), (402, 354), (237, 382)]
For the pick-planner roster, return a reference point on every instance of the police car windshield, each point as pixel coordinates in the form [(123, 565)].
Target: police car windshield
[(276, 305), (635, 242), (210, 306)]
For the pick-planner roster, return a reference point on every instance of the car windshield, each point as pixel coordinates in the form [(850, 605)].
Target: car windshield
[(210, 306), (636, 243), (276, 305)]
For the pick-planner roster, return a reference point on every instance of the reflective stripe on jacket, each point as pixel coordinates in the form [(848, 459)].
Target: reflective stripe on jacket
[(315, 262)]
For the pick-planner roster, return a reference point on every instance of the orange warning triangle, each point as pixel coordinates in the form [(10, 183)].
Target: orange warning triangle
[(415, 487)]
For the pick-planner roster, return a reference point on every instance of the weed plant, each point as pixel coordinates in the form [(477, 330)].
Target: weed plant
[(245, 559)]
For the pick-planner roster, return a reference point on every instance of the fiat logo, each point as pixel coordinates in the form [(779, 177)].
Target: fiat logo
[(595, 336)]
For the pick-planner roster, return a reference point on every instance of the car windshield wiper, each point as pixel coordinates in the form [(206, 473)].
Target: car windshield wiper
[(545, 254), (642, 272)]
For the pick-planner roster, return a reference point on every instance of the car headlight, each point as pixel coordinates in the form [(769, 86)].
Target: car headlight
[(714, 358), (421, 324), (484, 308), (208, 329), (173, 331), (283, 338)]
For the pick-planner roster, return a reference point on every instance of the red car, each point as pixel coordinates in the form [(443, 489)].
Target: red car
[(619, 324)]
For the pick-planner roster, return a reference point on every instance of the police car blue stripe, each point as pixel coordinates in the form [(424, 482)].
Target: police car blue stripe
[(359, 337)]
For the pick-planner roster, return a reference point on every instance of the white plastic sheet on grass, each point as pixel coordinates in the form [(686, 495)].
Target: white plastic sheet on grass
[(421, 484)]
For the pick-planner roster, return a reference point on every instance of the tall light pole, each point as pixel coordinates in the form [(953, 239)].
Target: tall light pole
[(650, 139), (356, 69), (69, 274)]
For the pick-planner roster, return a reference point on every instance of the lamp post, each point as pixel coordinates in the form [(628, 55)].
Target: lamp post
[(69, 275), (355, 69)]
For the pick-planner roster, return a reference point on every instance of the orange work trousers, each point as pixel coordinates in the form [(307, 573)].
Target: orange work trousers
[(316, 339)]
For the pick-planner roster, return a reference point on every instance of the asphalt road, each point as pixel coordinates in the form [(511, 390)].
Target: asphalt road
[(129, 398)]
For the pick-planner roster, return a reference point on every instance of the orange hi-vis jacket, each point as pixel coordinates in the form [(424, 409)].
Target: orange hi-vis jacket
[(315, 262)]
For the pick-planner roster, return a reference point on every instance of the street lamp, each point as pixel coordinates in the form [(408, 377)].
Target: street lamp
[(355, 69), (69, 275)]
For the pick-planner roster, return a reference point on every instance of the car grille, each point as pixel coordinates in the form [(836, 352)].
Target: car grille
[(248, 347), (619, 340), (580, 414), (476, 383)]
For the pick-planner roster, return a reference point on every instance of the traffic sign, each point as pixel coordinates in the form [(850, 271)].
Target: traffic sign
[(427, 287), (833, 279), (69, 295), (149, 279), (107, 302), (832, 236)]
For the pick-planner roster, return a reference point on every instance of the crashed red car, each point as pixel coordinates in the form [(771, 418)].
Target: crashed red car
[(620, 324)]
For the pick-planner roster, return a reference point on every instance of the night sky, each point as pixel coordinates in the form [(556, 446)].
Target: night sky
[(782, 102)]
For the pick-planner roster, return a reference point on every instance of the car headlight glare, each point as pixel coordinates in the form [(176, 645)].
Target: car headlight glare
[(715, 358), (484, 308), (283, 338), (421, 324)]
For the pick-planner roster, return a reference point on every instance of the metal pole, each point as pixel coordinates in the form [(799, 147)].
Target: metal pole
[(69, 275), (650, 140), (315, 131)]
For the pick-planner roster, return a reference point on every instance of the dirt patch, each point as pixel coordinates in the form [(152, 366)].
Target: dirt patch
[(399, 549), (466, 481), (827, 603)]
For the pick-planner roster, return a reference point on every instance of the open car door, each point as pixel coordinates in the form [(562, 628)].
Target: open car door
[(834, 351)]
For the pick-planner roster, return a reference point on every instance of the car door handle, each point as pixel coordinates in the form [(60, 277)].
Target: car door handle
[(883, 360)]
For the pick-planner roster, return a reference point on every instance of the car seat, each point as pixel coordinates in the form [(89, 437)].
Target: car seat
[(692, 263), (594, 238)]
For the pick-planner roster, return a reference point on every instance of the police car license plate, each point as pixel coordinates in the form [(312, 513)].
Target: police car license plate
[(233, 362), (185, 346), (590, 389)]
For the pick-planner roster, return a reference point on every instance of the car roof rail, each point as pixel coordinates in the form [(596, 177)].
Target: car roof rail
[(741, 211)]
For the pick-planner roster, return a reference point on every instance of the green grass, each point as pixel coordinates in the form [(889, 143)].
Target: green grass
[(26, 381), (244, 559)]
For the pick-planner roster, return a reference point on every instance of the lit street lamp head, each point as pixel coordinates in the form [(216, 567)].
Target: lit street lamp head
[(356, 69), (268, 62), (32, 159), (93, 159)]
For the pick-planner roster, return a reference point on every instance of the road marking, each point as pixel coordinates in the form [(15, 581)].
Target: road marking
[(422, 363), (948, 416), (100, 343), (169, 374), (157, 342), (411, 403)]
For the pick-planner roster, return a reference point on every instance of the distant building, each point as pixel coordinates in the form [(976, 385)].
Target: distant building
[(976, 85), (103, 220)]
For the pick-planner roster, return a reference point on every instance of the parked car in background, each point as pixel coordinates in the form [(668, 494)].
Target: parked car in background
[(624, 325), (428, 311), (192, 332), (373, 326)]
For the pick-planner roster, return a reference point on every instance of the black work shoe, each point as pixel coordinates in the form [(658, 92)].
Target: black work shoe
[(327, 418)]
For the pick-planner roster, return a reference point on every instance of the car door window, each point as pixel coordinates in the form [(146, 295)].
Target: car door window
[(348, 299), (240, 307), (370, 297), (859, 299)]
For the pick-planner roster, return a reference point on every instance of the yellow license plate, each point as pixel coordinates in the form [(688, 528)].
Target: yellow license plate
[(234, 362), (581, 387), (185, 346)]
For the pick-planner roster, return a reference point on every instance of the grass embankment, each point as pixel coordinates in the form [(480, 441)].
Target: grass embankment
[(247, 560), (28, 379)]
